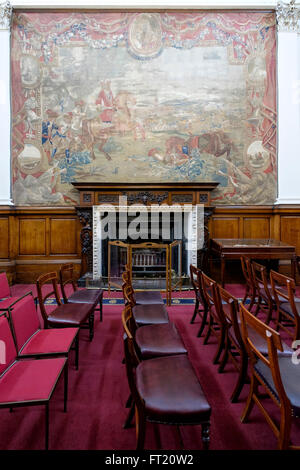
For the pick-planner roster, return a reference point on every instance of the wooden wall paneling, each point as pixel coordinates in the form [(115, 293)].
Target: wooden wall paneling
[(36, 240), (256, 227), (290, 231), (4, 238), (48, 236), (241, 227), (32, 236), (63, 239), (225, 227)]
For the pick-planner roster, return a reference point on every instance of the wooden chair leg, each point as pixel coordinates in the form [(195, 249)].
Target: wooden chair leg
[(129, 401), (210, 323), (101, 309), (91, 325), (269, 314), (130, 416), (47, 426), (203, 323), (77, 351), (140, 423), (285, 429), (205, 435), (195, 311), (246, 294), (241, 379), (221, 343), (224, 359), (66, 380), (252, 300), (250, 401), (258, 305)]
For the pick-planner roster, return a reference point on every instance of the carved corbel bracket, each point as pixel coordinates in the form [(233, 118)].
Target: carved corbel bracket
[(288, 16), (5, 15)]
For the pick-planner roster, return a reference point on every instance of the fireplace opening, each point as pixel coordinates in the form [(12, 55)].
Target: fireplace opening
[(147, 261), (162, 242)]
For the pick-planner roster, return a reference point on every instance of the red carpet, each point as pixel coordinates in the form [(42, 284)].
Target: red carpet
[(99, 390)]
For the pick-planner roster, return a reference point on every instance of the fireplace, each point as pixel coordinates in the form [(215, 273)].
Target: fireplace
[(186, 207)]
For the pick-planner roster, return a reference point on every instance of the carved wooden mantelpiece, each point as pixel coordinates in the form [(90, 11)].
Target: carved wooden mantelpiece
[(93, 194)]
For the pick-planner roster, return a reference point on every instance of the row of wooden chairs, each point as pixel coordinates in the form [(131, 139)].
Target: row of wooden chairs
[(164, 387), (243, 337), (275, 294), (24, 381)]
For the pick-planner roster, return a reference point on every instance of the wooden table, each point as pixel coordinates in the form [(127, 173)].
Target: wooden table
[(234, 248)]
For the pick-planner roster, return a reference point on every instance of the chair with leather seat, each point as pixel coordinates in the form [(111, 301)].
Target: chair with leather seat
[(89, 296), (234, 348), (29, 382), (200, 303), (68, 315), (148, 314), (278, 375), (142, 297), (287, 306), (165, 390), (217, 323), (263, 290), (151, 341), (33, 341), (250, 285)]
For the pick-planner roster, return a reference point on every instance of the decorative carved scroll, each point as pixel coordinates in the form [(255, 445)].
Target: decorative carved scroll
[(288, 16), (145, 197), (5, 15)]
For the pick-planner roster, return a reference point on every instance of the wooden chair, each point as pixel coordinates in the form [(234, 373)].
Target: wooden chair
[(217, 322), (29, 382), (250, 285), (147, 314), (234, 348), (263, 290), (146, 297), (200, 304), (31, 340), (278, 375), (64, 315), (151, 341), (78, 296), (162, 395), (288, 309)]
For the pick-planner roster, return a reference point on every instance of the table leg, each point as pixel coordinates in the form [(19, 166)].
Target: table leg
[(222, 270), (293, 267)]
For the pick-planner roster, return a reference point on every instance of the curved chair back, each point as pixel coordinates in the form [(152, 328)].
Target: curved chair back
[(260, 279), (209, 290), (265, 372), (66, 276), (230, 307), (284, 288), (128, 294), (195, 276), (126, 278), (246, 268), (44, 293)]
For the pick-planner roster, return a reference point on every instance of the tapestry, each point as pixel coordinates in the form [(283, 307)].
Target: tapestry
[(143, 96)]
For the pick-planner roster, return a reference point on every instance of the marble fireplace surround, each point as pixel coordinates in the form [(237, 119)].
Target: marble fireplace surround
[(99, 198)]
